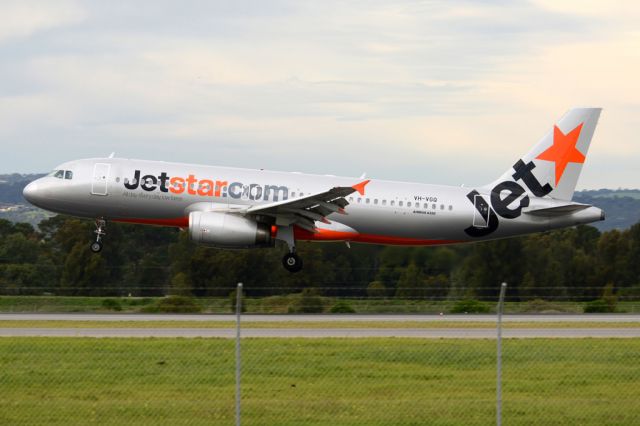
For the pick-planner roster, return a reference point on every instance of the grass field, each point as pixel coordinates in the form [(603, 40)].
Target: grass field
[(317, 382)]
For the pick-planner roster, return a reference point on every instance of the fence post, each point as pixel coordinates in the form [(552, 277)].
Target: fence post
[(503, 288), (238, 365)]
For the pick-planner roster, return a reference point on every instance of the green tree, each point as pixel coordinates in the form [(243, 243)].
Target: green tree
[(411, 284)]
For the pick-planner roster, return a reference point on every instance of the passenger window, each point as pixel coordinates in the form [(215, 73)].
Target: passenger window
[(384, 202), (393, 202), (351, 199), (359, 200), (375, 201), (426, 206), (59, 174), (400, 203), (441, 206), (433, 206), (409, 204), (368, 200), (293, 194), (450, 207), (68, 174)]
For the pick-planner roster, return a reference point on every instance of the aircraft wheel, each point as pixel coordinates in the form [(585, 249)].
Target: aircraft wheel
[(292, 262), (96, 247)]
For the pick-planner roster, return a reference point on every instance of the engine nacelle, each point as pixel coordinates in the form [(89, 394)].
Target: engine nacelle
[(226, 230)]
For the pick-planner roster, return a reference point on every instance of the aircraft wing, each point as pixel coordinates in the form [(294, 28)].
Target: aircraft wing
[(305, 211)]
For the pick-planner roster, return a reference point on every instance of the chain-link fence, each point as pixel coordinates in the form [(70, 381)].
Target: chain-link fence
[(317, 371)]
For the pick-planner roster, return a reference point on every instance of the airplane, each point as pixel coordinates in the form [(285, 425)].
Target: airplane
[(236, 208)]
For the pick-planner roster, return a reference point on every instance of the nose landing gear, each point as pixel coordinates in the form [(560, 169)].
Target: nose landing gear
[(100, 232)]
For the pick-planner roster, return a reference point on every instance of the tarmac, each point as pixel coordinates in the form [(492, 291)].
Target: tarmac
[(323, 332), (611, 318)]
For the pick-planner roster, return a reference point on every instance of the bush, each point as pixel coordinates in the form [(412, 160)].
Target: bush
[(609, 297), (376, 290), (540, 306), (598, 306), (469, 306), (111, 304), (308, 303), (137, 301), (174, 305), (342, 307), (630, 293), (181, 285)]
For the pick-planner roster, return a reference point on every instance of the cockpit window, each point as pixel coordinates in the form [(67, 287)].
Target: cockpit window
[(61, 174)]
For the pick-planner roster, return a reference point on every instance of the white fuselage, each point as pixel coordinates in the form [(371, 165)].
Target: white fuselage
[(164, 193)]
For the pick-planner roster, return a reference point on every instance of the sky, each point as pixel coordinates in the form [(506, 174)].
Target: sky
[(445, 92)]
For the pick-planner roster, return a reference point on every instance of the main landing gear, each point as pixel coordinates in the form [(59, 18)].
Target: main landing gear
[(292, 262), (100, 232)]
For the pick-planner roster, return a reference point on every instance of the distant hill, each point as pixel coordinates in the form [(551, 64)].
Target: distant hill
[(621, 206), (13, 206), (11, 187)]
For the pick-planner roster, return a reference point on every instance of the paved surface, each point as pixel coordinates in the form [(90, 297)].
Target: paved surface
[(322, 318), (482, 333), (433, 333)]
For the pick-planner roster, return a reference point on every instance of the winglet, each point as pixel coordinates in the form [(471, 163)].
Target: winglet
[(360, 186)]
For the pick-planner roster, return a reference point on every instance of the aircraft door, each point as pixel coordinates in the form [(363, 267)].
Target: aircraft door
[(100, 182), (481, 212)]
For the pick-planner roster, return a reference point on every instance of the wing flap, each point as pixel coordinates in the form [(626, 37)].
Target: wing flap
[(305, 211)]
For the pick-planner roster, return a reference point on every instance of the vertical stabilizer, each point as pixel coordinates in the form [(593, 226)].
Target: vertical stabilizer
[(553, 166)]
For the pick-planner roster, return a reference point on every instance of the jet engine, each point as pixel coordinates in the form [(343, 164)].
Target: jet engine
[(226, 230)]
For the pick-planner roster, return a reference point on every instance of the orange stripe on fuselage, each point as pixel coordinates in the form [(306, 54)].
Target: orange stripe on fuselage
[(330, 235), (304, 235), (323, 235)]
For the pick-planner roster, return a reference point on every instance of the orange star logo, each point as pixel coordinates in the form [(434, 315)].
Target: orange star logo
[(563, 151)]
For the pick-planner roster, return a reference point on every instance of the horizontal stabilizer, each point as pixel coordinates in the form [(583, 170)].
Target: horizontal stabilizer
[(557, 210)]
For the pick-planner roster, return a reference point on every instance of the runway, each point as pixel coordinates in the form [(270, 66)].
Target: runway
[(435, 333), (322, 331), (604, 318)]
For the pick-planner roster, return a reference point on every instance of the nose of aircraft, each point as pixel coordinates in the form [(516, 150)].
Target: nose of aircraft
[(31, 193)]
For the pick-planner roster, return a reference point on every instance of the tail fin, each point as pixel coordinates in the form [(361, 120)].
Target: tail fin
[(553, 166)]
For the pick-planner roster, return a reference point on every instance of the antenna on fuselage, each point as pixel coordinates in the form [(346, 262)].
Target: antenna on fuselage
[(112, 154)]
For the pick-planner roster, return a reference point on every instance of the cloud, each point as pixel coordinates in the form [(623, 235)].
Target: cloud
[(25, 18), (427, 91)]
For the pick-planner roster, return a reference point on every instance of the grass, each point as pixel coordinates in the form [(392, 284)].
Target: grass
[(317, 382), (281, 305), (306, 324)]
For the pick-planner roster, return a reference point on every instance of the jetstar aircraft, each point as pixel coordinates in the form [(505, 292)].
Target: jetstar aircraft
[(243, 208)]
